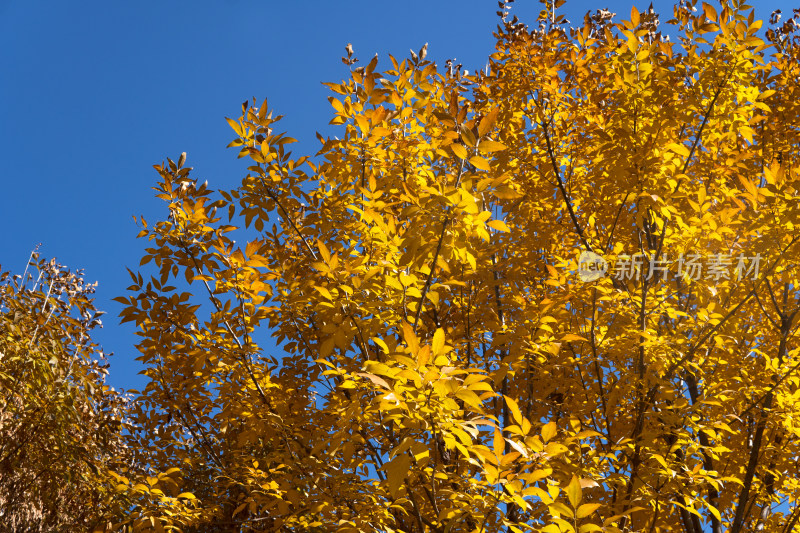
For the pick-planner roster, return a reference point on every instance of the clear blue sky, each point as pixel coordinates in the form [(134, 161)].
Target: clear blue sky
[(92, 94)]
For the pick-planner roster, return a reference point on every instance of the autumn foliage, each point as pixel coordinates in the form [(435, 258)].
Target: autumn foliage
[(60, 423), (443, 364)]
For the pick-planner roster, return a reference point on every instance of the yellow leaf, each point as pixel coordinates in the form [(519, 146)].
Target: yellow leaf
[(710, 12), (324, 292), (554, 448), (379, 381), (410, 337), (236, 126), (518, 447), (574, 492), (514, 408), (499, 225), (423, 355), (337, 104), (323, 250), (549, 431), (470, 398), (362, 122), (498, 443), (459, 150), (381, 344), (541, 494), (679, 149), (750, 186), (491, 146), (239, 509), (586, 509), (713, 510), (396, 471), (479, 163), (438, 342), (327, 346), (487, 122), (468, 137), (559, 509)]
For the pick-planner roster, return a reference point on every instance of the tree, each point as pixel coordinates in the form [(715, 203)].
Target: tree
[(60, 424), (450, 361)]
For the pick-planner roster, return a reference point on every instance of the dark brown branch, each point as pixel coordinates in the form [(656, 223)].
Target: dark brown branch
[(560, 184), (708, 461), (287, 218), (429, 278), (755, 449)]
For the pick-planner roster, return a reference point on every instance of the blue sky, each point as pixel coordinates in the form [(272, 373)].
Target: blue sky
[(92, 94)]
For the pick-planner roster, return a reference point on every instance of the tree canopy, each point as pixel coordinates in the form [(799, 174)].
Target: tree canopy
[(60, 423)]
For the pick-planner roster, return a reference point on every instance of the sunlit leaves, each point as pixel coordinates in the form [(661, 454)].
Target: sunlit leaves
[(443, 366), (61, 425)]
